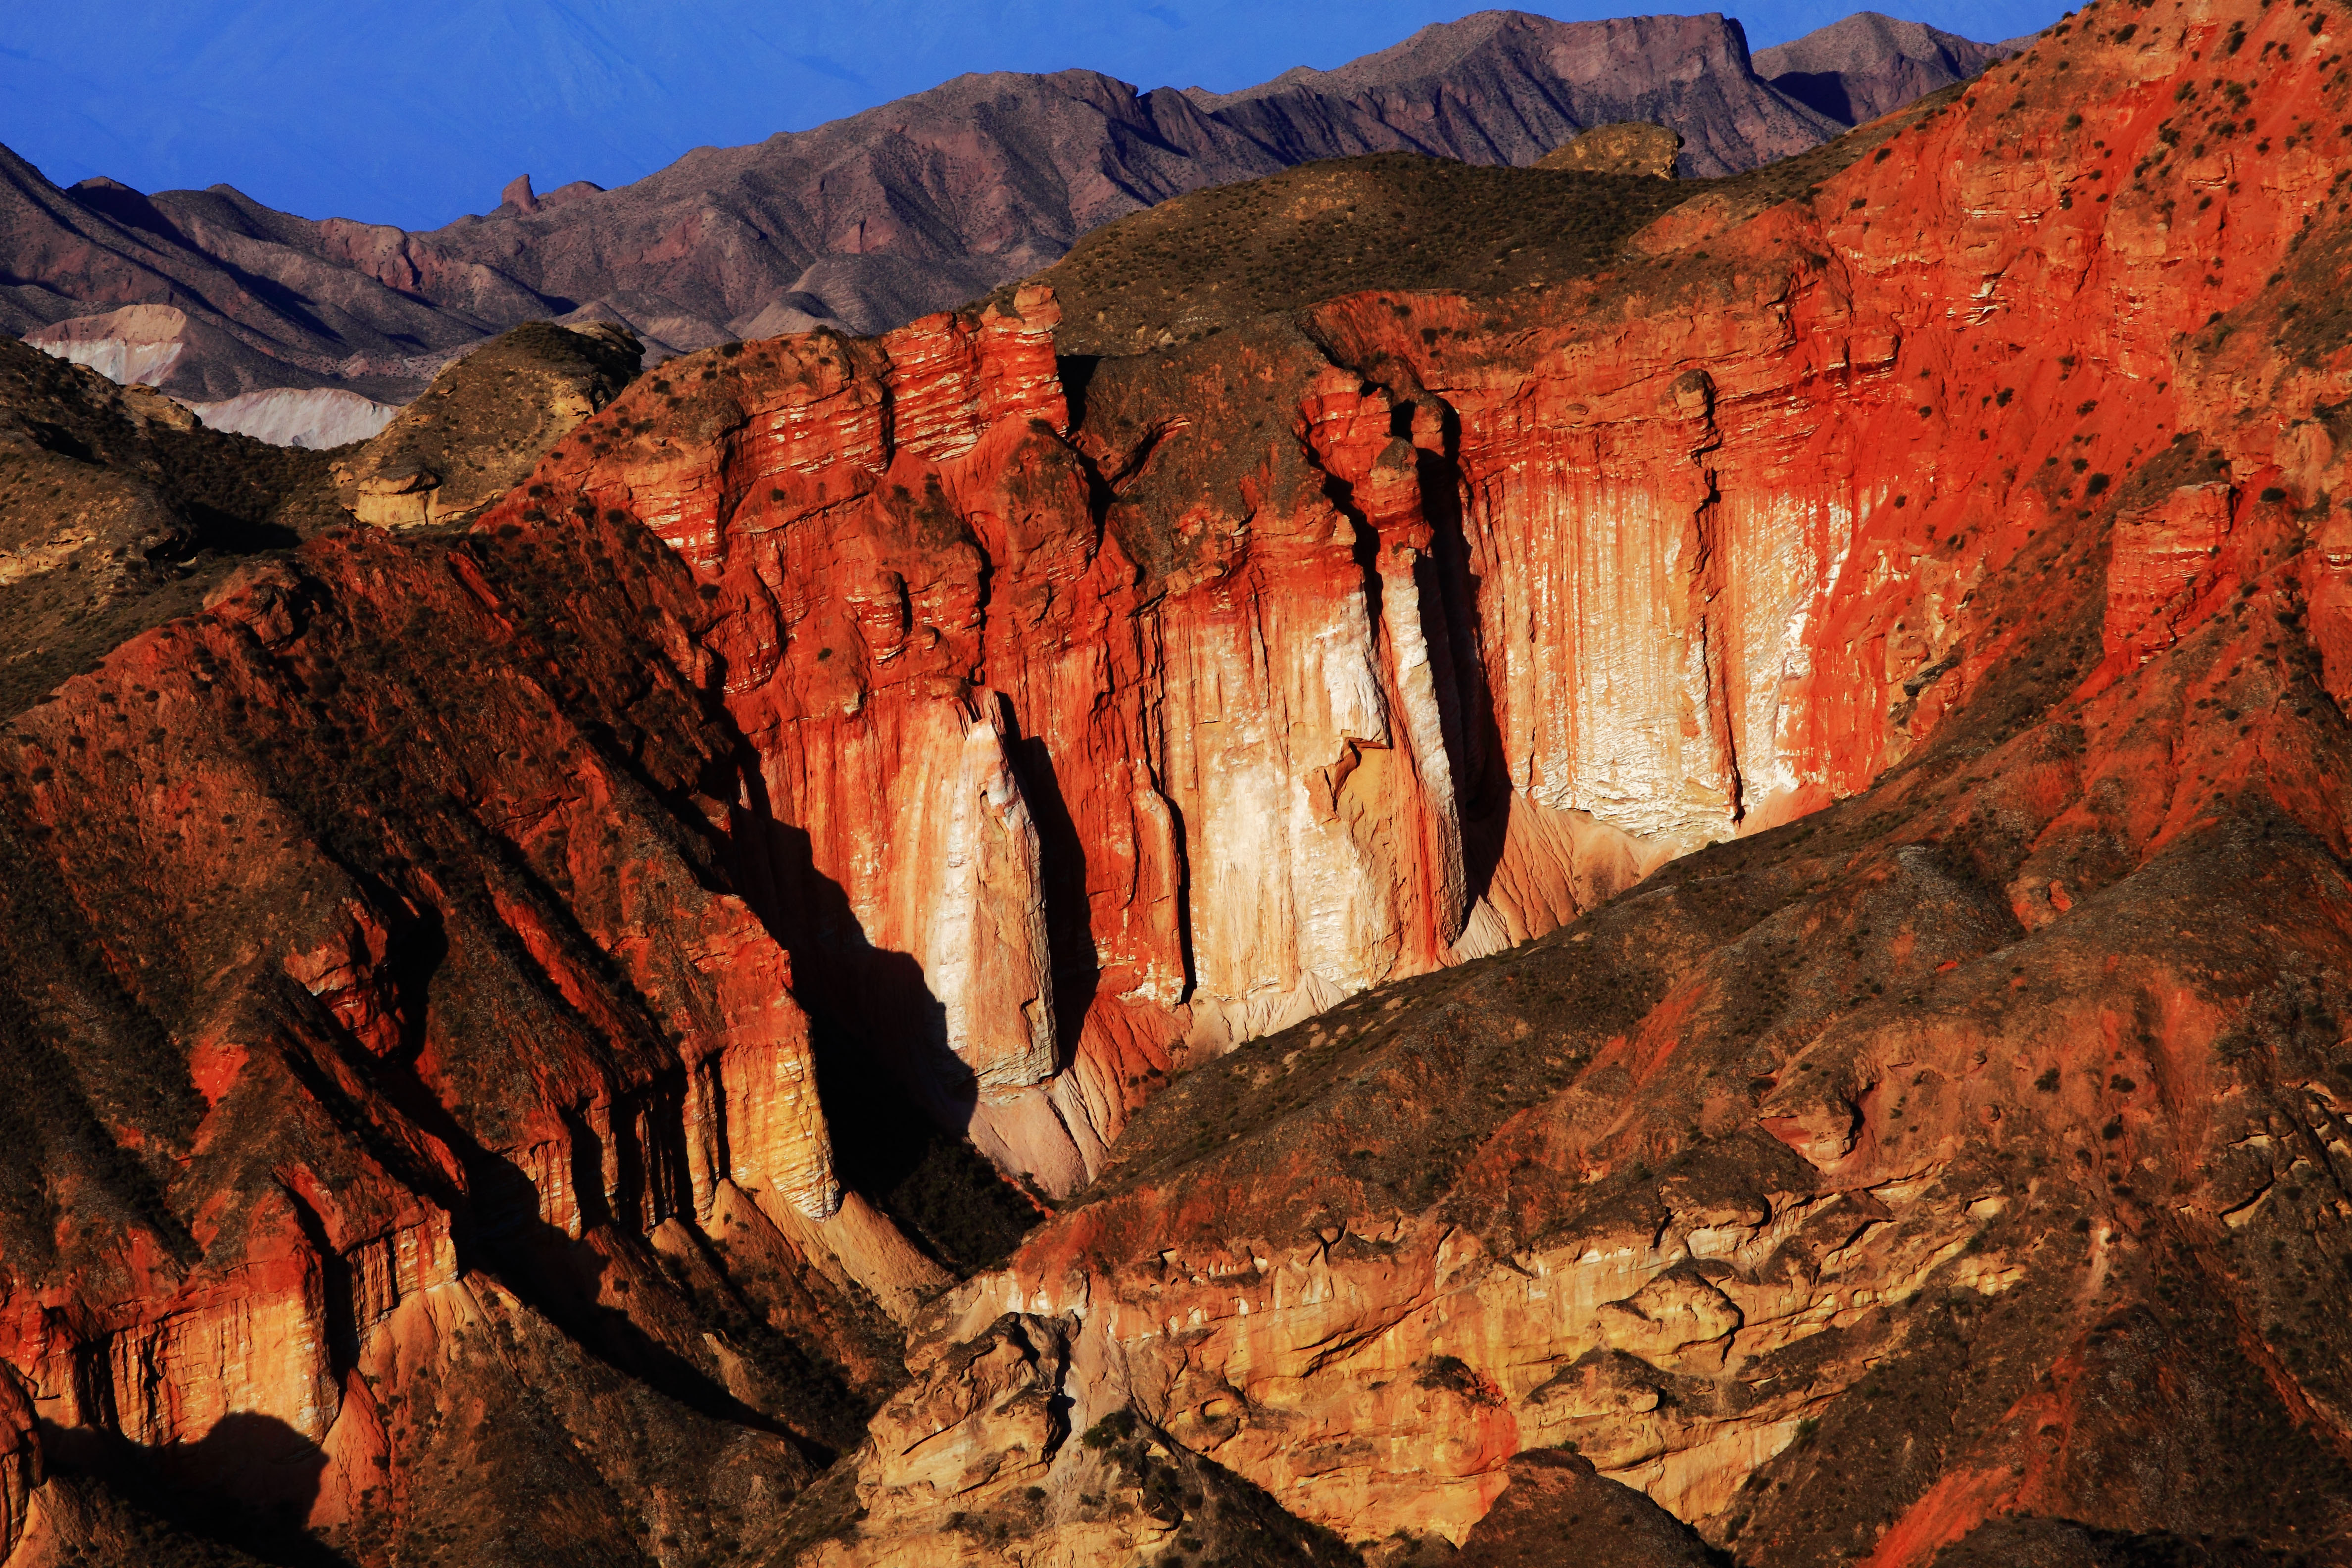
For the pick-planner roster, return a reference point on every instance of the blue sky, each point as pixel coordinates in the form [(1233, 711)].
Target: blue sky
[(415, 112)]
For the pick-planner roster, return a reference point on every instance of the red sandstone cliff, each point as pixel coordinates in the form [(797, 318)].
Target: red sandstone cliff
[(1998, 472), (417, 954)]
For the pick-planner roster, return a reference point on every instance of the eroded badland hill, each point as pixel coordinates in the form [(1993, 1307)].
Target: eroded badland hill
[(1681, 896)]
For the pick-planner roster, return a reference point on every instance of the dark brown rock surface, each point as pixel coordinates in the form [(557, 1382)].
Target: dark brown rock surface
[(1559, 1512), (119, 509)]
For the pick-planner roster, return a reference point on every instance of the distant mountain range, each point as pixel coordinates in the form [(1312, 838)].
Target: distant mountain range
[(870, 221)]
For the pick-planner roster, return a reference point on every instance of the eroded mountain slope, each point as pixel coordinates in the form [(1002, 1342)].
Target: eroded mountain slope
[(516, 922), (1215, 260), (120, 510), (866, 223), (1970, 1147)]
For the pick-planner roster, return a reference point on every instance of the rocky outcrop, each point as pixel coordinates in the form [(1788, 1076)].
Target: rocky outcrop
[(1219, 259), (1938, 1157), (119, 510), (1555, 1497), (1183, 778), (389, 1103), (20, 1463), (1629, 147), (448, 966), (484, 421)]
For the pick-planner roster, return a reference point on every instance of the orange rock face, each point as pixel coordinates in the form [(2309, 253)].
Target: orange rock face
[(1078, 742), (429, 953), (1096, 727), (1956, 478), (460, 1038)]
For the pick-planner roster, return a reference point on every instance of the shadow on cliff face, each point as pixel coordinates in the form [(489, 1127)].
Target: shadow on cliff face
[(896, 1098), (1474, 738), (497, 1229), (498, 1233), (247, 1484), (1069, 914), (836, 968), (1823, 90)]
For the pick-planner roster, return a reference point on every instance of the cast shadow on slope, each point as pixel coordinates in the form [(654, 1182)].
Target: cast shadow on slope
[(238, 1496), (895, 1096), (499, 1232)]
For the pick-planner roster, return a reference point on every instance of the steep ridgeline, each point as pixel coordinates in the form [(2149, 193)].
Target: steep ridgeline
[(1869, 65), (1202, 263), (866, 222), (457, 984), (118, 511)]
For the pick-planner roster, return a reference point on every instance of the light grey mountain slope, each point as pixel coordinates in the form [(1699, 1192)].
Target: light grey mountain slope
[(1869, 65)]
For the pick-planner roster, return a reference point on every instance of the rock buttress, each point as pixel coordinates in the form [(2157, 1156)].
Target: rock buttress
[(1965, 1147)]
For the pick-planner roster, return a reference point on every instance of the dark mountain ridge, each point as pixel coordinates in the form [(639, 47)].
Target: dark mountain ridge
[(863, 223), (1869, 65)]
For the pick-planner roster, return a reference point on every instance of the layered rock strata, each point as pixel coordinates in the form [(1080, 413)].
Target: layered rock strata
[(1077, 738), (461, 1089), (1970, 1148), (427, 960)]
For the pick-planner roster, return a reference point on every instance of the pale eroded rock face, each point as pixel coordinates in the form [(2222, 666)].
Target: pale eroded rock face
[(317, 417), (1379, 1381), (1629, 147), (136, 344)]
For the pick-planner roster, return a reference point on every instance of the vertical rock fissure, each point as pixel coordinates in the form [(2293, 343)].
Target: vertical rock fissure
[(336, 1302), (1472, 731), (1693, 392)]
